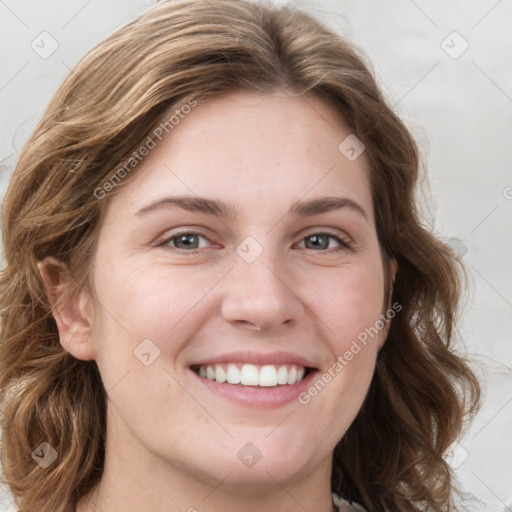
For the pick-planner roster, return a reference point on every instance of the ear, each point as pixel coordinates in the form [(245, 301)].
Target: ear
[(73, 312), (393, 267), (389, 310)]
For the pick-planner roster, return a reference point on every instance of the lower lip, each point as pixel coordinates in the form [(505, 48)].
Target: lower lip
[(257, 396)]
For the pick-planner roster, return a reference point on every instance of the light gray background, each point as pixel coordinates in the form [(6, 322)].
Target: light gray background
[(459, 107)]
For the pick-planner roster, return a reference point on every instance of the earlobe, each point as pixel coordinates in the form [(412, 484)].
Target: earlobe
[(394, 268), (72, 310)]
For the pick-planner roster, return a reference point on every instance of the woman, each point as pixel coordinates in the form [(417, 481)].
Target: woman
[(218, 294)]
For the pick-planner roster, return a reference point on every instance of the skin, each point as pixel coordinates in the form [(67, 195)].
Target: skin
[(172, 444)]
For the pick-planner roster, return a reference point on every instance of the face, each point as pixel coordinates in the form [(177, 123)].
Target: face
[(244, 249)]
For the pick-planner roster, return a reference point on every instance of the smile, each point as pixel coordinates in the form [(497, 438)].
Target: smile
[(253, 375)]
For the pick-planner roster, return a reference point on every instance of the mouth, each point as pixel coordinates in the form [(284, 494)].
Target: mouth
[(252, 375), (254, 379)]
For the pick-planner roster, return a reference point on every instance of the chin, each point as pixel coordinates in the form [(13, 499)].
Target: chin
[(266, 456)]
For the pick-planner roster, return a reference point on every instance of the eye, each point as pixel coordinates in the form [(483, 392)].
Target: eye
[(324, 241), (186, 241), (189, 241)]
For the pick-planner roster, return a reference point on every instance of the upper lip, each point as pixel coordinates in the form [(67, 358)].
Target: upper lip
[(257, 358)]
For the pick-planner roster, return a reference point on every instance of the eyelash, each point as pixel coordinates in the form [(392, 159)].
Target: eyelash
[(344, 244)]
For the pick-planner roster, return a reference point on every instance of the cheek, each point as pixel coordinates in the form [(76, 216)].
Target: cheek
[(155, 302), (348, 304), (350, 309), (348, 301)]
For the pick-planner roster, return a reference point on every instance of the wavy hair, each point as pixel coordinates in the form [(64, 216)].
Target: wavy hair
[(391, 458)]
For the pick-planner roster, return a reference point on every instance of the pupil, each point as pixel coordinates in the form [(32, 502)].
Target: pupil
[(187, 241), (317, 241)]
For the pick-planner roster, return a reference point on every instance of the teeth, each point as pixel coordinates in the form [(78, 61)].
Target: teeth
[(220, 374), (233, 374), (268, 376), (249, 375), (252, 375), (282, 375), (292, 375)]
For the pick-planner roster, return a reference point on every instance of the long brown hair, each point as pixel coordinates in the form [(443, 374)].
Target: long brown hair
[(391, 458)]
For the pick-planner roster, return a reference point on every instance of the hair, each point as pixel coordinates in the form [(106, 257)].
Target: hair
[(391, 457)]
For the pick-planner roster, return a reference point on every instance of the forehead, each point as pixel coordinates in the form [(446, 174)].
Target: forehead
[(251, 150)]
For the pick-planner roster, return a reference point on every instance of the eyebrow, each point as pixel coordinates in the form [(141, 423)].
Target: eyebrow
[(221, 209)]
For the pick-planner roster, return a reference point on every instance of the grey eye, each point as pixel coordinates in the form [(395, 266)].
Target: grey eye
[(187, 241)]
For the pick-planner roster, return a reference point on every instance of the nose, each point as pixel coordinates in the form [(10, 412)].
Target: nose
[(260, 295)]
